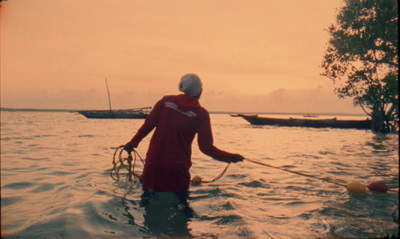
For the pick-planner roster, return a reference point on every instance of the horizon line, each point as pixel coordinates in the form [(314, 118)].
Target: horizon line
[(10, 109)]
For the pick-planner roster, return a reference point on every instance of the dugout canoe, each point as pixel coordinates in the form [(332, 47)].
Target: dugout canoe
[(313, 123), (139, 113)]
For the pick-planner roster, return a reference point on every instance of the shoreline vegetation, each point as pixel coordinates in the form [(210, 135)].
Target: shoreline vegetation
[(6, 109)]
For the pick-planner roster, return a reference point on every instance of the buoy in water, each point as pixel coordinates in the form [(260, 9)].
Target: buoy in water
[(196, 180), (378, 187), (356, 187)]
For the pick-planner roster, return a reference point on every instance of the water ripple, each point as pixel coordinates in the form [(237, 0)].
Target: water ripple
[(45, 187), (229, 219), (35, 159), (48, 234), (254, 184), (17, 186), (7, 201)]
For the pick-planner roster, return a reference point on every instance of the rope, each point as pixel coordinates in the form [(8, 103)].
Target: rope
[(126, 162), (307, 175), (218, 177), (295, 172)]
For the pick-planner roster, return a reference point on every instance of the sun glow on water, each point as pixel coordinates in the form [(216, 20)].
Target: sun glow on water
[(55, 181)]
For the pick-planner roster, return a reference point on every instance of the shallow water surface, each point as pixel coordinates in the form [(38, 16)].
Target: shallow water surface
[(55, 182)]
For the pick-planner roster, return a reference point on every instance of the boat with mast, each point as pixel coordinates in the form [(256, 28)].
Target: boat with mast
[(136, 113)]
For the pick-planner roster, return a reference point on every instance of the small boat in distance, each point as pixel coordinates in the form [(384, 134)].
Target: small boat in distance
[(308, 115), (137, 113), (313, 123)]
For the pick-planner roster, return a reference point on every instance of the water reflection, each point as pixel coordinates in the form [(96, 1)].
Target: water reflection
[(382, 143), (165, 214), (131, 218)]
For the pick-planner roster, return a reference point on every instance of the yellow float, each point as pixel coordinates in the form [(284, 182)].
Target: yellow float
[(356, 187), (196, 180)]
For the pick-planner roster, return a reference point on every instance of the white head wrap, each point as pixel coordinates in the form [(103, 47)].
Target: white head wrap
[(190, 84)]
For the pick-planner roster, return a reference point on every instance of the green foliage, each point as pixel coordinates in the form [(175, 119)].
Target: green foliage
[(362, 58)]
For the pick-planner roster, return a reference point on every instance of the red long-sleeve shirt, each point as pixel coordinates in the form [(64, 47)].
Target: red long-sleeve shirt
[(176, 120)]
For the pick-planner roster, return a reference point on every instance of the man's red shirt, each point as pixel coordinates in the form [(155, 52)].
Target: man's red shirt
[(176, 120)]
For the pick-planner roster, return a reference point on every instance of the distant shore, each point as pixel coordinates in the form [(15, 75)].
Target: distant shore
[(35, 110), (211, 112)]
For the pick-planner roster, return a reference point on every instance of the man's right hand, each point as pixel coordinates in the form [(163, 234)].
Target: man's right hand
[(128, 147)]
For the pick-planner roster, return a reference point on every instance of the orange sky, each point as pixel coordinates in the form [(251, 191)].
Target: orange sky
[(256, 55)]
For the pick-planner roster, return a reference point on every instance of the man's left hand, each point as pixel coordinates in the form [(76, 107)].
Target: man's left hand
[(237, 158)]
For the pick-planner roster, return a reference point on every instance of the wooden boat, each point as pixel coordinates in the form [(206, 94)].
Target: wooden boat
[(314, 123), (308, 115), (139, 113)]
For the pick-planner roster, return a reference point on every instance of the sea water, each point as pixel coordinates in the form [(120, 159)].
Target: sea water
[(55, 182)]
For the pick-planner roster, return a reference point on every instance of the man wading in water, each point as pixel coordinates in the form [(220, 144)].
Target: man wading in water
[(166, 178), (176, 119)]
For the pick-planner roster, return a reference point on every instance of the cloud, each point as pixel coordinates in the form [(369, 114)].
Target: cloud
[(317, 100)]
